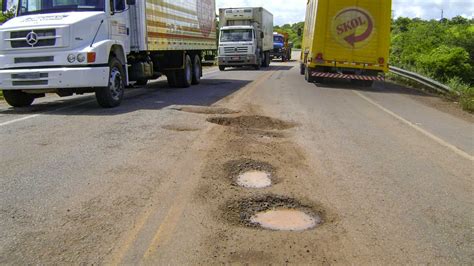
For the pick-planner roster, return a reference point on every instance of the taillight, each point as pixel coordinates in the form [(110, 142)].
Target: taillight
[(319, 56), (381, 61)]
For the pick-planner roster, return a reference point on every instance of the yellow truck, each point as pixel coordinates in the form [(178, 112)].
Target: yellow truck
[(346, 39)]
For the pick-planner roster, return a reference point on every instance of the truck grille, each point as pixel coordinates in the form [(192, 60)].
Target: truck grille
[(236, 50), (33, 38)]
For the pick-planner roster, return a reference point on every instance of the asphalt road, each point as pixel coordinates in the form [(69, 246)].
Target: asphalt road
[(389, 170)]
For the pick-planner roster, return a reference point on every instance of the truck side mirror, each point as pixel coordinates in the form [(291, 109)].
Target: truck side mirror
[(4, 5), (262, 35), (300, 32), (131, 2)]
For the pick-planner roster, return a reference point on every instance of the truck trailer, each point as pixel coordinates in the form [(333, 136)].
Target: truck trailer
[(246, 37), (95, 46), (346, 39)]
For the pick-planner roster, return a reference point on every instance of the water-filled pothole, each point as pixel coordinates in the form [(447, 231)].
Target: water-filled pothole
[(250, 173), (206, 110), (254, 179), (285, 220), (253, 121), (274, 213)]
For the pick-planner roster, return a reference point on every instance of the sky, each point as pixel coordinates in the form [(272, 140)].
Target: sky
[(291, 11)]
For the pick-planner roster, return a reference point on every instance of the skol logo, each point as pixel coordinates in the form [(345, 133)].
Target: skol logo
[(353, 27), (206, 14)]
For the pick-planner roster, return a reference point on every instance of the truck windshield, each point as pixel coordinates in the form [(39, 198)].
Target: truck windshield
[(237, 35), (28, 7), (278, 39)]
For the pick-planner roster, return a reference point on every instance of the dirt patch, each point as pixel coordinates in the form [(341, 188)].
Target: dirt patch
[(252, 122), (179, 128), (206, 110), (240, 212), (261, 134)]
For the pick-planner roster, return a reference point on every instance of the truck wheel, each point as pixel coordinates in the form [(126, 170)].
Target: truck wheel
[(18, 98), (197, 70), (267, 59), (171, 77), (307, 76), (257, 67), (142, 82), (184, 77), (302, 71), (283, 59), (112, 95), (222, 68)]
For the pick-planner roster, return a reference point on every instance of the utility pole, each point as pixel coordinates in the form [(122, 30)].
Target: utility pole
[(442, 14)]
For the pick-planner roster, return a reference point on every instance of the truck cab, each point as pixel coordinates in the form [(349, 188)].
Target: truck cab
[(245, 37), (238, 46), (65, 47), (281, 47)]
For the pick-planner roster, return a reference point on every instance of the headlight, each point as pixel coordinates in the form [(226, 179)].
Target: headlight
[(81, 58), (71, 58)]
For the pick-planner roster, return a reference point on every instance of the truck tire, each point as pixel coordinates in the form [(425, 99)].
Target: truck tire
[(267, 59), (197, 70), (18, 98), (184, 77), (112, 95), (171, 77), (142, 82), (307, 76), (222, 68), (302, 67)]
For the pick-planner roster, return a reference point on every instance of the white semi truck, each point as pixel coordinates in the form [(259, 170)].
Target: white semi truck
[(246, 37), (96, 46)]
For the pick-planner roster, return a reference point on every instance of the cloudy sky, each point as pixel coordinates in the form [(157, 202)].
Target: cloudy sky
[(291, 11)]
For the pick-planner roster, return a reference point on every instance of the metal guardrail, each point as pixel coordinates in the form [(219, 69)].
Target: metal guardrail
[(421, 79)]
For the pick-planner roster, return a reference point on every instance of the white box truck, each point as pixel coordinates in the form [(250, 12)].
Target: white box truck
[(246, 37), (96, 46)]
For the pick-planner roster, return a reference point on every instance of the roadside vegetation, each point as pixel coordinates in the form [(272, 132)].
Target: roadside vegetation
[(442, 50)]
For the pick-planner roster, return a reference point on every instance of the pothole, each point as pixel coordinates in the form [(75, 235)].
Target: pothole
[(250, 173), (274, 213), (179, 128), (285, 220), (253, 122), (206, 110), (254, 179)]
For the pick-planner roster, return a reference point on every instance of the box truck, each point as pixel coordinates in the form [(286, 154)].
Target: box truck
[(246, 37), (346, 39), (281, 46), (95, 46)]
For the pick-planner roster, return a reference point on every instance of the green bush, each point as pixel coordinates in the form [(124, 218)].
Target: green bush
[(445, 63), (463, 93)]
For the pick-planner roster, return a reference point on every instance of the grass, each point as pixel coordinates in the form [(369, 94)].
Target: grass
[(1, 95)]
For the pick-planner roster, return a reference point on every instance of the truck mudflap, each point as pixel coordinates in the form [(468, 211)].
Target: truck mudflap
[(346, 76)]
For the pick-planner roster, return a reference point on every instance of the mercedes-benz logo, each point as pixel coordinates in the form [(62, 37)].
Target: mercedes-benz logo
[(32, 38)]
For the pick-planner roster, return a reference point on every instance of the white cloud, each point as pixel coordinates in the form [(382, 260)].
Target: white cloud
[(291, 11)]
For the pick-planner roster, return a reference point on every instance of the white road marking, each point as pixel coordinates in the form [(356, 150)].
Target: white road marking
[(48, 112), (71, 106), (419, 129)]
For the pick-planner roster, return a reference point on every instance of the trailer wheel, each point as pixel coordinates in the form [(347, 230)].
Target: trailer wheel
[(112, 95), (142, 82), (307, 76), (18, 98), (302, 67), (197, 70), (171, 77), (184, 77)]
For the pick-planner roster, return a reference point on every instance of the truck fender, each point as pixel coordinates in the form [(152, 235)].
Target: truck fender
[(107, 48)]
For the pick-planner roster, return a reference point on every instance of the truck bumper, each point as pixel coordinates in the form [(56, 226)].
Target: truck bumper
[(237, 60), (316, 74), (54, 78)]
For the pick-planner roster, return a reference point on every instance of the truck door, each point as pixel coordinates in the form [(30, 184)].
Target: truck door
[(120, 23)]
